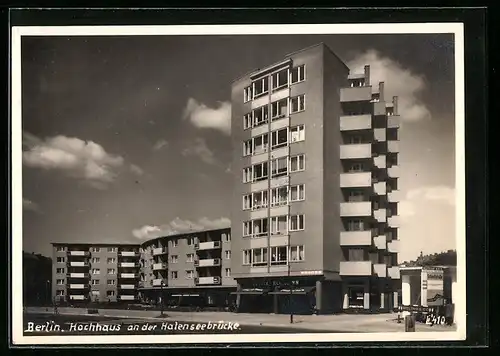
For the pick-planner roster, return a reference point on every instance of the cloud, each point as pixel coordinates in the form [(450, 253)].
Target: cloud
[(30, 205), (83, 160), (406, 209), (198, 148), (398, 81), (160, 144), (136, 170), (180, 226), (204, 117), (440, 193)]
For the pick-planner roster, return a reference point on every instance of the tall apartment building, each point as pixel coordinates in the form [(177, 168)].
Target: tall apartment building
[(85, 272), (315, 207), (184, 266)]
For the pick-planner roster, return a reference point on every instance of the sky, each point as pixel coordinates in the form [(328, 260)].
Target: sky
[(127, 136)]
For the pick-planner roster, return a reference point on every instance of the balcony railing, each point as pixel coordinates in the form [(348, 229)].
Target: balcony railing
[(160, 266), (78, 253), (363, 93), (210, 245), (128, 286), (393, 272), (159, 251), (380, 270), (209, 262), (393, 171), (157, 282), (393, 221), (394, 196), (393, 246), (129, 253), (356, 151), (393, 146), (78, 286), (129, 264), (129, 275), (356, 268), (77, 297), (356, 209), (207, 280), (355, 122), (356, 238), (78, 264), (77, 275), (127, 297), (354, 180)]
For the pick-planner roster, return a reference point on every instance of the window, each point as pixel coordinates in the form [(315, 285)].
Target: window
[(228, 272), (247, 94), (174, 259), (247, 257), (356, 254), (297, 192), (111, 260), (190, 241), (279, 225), (96, 271), (279, 138), (356, 196), (247, 202), (260, 87), (174, 274), (111, 282), (60, 259), (260, 115), (259, 200), (59, 270), (96, 249), (279, 167), (279, 196), (175, 243), (356, 167), (111, 271), (95, 282), (260, 227), (189, 274), (296, 222), (297, 104), (297, 163), (355, 225), (226, 237), (247, 148), (354, 140), (227, 255), (279, 109), (280, 79), (278, 255), (260, 144), (247, 121), (60, 248), (96, 260), (297, 253), (111, 249), (260, 171), (247, 174), (259, 257), (190, 257), (298, 74), (60, 293), (60, 282), (110, 293), (297, 133), (373, 257)]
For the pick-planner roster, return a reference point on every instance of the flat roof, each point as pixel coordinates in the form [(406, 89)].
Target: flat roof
[(118, 244), (184, 234)]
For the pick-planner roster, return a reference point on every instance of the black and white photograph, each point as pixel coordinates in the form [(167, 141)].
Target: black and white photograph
[(236, 184)]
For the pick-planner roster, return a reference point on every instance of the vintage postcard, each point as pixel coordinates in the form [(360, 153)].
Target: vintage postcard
[(238, 184)]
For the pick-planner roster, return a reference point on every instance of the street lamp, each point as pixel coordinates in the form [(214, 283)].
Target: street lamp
[(162, 284)]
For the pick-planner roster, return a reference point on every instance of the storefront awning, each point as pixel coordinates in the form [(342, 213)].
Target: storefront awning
[(255, 291), (300, 290)]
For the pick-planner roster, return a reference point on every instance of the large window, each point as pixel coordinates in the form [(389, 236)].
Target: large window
[(279, 225), (260, 115), (297, 253), (279, 109), (279, 255), (260, 87), (247, 94), (260, 144), (279, 138), (247, 121), (260, 227), (279, 196), (247, 148), (297, 192), (279, 167), (247, 174), (260, 171), (356, 196), (356, 254), (297, 104), (280, 79), (296, 222), (259, 200), (297, 163), (259, 257), (247, 257), (356, 167), (247, 202), (297, 133), (355, 225), (298, 74)]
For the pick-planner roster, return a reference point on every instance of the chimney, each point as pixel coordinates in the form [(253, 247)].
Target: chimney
[(367, 75), (381, 91), (395, 104)]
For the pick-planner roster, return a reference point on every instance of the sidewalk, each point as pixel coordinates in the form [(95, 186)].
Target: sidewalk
[(343, 322)]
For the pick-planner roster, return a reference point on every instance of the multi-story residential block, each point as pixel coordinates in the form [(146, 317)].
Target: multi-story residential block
[(315, 206), (84, 272)]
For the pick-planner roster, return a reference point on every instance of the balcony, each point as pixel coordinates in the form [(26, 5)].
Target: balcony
[(393, 272), (79, 264), (356, 238), (380, 270), (380, 188), (379, 135), (356, 151), (380, 215), (393, 246), (393, 122), (77, 275), (356, 209), (394, 196), (393, 171), (127, 297), (159, 251), (210, 245), (393, 221), (380, 161), (129, 254), (279, 182), (77, 286), (77, 297), (380, 242), (127, 286), (209, 262), (129, 264), (160, 266), (78, 253), (356, 268), (379, 108), (129, 275), (355, 122), (207, 280), (354, 180), (393, 146), (356, 94), (157, 282)]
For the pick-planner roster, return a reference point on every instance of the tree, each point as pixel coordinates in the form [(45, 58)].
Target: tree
[(447, 258)]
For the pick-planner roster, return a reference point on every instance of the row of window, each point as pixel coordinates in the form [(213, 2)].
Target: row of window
[(279, 196), (279, 80), (279, 167), (190, 257), (280, 255), (92, 249), (190, 274), (277, 225), (109, 293), (279, 109), (279, 138), (360, 254), (109, 260), (192, 241)]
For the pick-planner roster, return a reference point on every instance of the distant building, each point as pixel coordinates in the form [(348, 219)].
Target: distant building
[(37, 276)]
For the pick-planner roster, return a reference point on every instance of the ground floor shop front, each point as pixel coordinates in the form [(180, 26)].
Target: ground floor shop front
[(217, 298)]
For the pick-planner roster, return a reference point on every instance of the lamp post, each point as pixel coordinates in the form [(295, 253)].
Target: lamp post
[(162, 284)]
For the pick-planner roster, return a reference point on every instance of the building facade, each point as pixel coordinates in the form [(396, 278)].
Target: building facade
[(314, 220)]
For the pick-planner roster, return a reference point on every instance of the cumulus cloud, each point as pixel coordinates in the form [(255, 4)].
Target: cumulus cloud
[(30, 205), (202, 116), (398, 81), (180, 226), (198, 148), (83, 160), (160, 144), (406, 209), (136, 170), (441, 193)]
